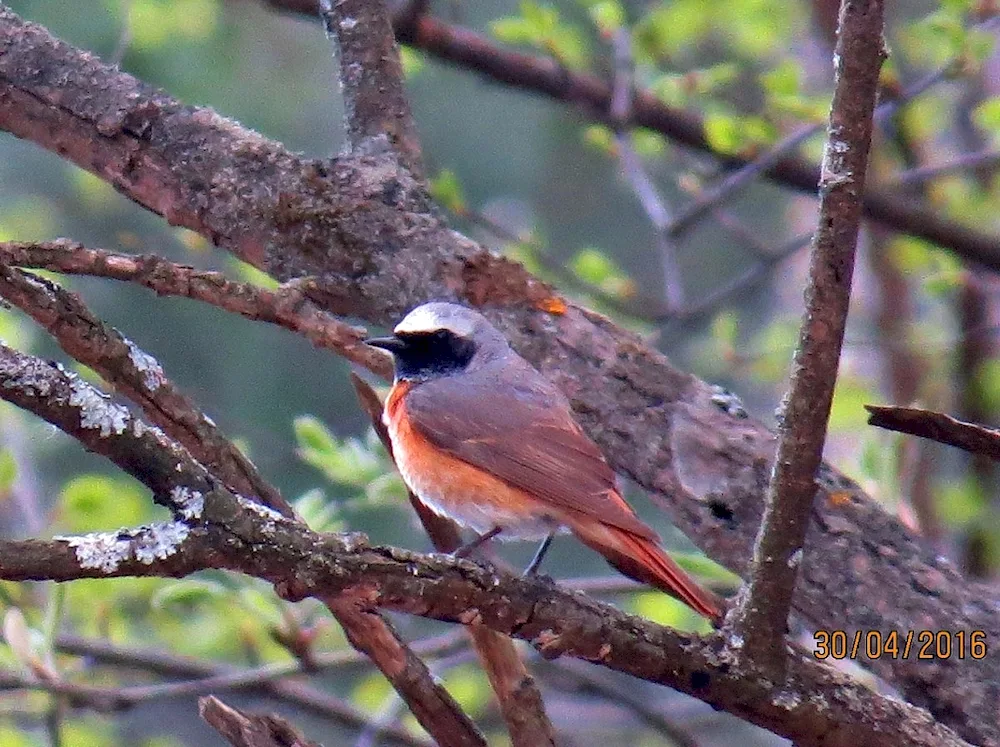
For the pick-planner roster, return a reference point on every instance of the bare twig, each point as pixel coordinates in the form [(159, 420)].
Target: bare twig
[(249, 730), (984, 161), (288, 306), (371, 79), (936, 426), (631, 165), (425, 695), (202, 676), (761, 618)]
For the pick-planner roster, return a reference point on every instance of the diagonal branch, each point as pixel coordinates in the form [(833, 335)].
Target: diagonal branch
[(288, 306), (184, 485), (139, 377), (937, 426), (250, 730), (761, 619)]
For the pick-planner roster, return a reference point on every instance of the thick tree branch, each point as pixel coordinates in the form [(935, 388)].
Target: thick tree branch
[(761, 619), (367, 235), (814, 706)]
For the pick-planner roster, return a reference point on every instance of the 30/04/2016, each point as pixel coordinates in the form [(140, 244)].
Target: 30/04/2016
[(927, 645)]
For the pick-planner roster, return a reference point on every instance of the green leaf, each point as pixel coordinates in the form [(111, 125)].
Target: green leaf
[(784, 79), (468, 685), (607, 15), (599, 137), (92, 502), (319, 512), (371, 692), (647, 143), (514, 31), (987, 115), (348, 462), (250, 274), (986, 384), (665, 610), (8, 471), (185, 595), (594, 267), (848, 413), (960, 502), (412, 60), (725, 328), (446, 189), (723, 133)]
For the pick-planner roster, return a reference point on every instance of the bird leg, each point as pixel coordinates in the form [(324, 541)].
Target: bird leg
[(539, 554), (467, 549)]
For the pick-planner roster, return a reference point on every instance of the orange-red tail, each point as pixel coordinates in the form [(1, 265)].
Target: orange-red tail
[(644, 560)]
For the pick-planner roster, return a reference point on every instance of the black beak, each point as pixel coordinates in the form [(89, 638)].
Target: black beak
[(392, 344)]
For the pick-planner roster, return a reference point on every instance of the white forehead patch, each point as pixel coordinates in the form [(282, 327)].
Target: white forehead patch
[(434, 316)]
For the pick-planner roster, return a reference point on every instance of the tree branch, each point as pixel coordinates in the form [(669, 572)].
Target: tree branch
[(761, 618), (184, 485), (937, 426), (366, 233), (371, 79), (814, 706), (248, 730), (288, 306), (139, 377)]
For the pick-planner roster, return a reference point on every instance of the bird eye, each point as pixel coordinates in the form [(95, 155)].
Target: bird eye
[(441, 334)]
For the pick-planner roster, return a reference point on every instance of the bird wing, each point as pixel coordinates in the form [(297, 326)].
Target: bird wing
[(527, 437)]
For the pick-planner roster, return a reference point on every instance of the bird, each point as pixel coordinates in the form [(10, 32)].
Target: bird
[(483, 438)]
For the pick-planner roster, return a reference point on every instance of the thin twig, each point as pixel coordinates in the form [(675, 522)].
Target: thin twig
[(250, 730), (984, 161), (632, 168), (937, 426), (760, 620), (288, 306)]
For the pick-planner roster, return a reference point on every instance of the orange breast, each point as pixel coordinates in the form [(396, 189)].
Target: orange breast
[(456, 489)]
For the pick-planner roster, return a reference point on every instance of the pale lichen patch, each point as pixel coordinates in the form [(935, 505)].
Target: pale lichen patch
[(103, 550), (108, 550), (146, 365), (97, 411), (159, 541), (260, 509), (189, 503)]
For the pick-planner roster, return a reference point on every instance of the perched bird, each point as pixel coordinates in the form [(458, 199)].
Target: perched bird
[(483, 438)]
